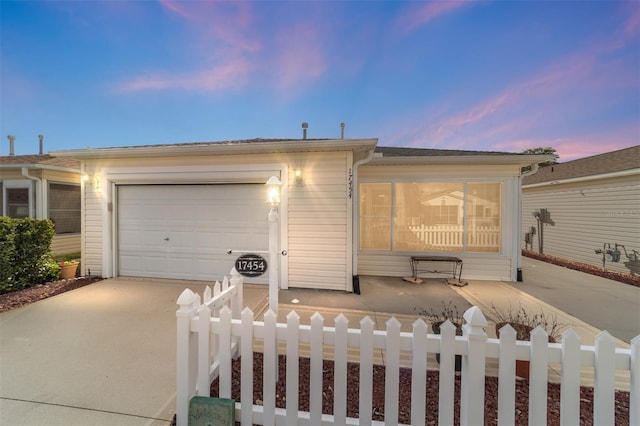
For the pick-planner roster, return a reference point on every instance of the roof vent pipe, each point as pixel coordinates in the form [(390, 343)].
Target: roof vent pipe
[(41, 138), (11, 141), (341, 130), (305, 126)]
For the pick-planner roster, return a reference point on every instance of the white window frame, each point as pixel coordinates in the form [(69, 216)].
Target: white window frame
[(17, 184)]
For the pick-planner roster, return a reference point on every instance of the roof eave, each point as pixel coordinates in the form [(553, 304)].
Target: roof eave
[(516, 159), (221, 148), (39, 166)]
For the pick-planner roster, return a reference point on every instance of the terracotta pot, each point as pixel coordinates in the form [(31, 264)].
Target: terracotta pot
[(522, 333), (68, 271)]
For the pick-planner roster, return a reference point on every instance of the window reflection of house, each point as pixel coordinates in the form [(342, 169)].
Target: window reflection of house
[(433, 217)]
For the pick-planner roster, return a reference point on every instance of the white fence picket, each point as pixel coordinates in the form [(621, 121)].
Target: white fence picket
[(570, 389), (604, 372), (507, 377), (198, 360), (315, 375), (634, 391), (224, 382), (391, 375), (340, 370), (447, 374), (293, 366), (269, 371), (538, 377), (246, 366), (418, 373), (366, 370)]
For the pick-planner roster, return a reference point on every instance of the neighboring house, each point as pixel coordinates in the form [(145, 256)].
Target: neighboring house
[(347, 208), (44, 187), (593, 203)]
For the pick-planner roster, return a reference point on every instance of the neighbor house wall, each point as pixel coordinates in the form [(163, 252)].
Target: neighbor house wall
[(496, 266), (586, 215), (315, 215)]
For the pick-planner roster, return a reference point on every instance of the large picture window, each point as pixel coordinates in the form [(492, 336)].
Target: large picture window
[(431, 216), (64, 207)]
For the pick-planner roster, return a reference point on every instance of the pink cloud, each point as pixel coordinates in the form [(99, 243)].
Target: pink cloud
[(299, 58), (230, 75), (423, 13)]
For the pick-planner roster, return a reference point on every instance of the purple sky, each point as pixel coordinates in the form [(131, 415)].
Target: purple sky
[(495, 76)]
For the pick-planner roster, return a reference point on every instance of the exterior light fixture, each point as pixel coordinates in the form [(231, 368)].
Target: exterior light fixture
[(273, 191), (91, 180), (298, 179)]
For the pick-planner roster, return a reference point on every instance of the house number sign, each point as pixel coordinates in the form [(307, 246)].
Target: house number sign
[(251, 265)]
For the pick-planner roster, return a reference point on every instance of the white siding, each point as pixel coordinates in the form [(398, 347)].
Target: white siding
[(319, 250), (586, 214), (315, 217)]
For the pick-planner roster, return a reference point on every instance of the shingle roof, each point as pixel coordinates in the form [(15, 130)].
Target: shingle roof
[(427, 152), (616, 161), (41, 159)]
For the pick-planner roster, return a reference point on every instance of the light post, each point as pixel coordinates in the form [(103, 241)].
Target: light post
[(273, 199)]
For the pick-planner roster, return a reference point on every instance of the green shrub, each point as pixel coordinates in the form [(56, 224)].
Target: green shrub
[(25, 253)]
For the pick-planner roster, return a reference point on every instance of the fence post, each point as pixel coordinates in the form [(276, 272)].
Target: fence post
[(538, 376), (604, 383), (473, 368), (185, 355)]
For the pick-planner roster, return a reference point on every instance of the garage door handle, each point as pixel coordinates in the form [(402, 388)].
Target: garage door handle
[(166, 239)]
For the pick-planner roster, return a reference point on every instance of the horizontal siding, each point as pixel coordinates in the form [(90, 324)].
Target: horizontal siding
[(586, 215), (317, 225), (398, 265), (65, 244), (93, 223)]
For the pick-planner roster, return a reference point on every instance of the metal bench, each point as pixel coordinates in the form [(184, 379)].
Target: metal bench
[(455, 261)]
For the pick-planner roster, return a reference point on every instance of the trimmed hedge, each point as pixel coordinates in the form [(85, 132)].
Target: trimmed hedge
[(25, 253)]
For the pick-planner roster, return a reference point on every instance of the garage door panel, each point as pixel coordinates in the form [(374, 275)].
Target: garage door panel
[(173, 231)]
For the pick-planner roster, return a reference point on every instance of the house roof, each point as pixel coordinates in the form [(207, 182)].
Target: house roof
[(39, 161), (246, 146), (611, 162), (399, 155)]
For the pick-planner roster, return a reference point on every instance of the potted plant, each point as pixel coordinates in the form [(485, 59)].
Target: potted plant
[(436, 319), (68, 269), (523, 323)]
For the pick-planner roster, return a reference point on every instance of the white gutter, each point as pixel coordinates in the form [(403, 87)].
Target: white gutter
[(621, 173), (355, 235), (39, 192)]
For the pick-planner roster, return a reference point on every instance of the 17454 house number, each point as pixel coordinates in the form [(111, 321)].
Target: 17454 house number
[(251, 265)]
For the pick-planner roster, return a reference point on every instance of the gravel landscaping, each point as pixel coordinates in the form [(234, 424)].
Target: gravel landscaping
[(404, 410)]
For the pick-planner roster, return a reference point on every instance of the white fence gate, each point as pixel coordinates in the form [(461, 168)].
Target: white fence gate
[(213, 332)]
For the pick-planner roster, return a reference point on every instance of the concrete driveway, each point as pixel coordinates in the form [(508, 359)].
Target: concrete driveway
[(103, 354)]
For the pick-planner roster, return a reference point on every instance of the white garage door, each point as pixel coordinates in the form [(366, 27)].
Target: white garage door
[(184, 231)]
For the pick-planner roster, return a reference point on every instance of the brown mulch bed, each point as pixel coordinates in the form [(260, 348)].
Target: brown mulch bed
[(20, 298), (404, 407), (583, 267)]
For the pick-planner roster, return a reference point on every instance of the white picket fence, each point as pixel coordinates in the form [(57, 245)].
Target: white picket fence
[(452, 235), (213, 331)]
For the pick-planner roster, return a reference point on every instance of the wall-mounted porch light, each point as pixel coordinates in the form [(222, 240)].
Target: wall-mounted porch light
[(91, 180), (298, 177)]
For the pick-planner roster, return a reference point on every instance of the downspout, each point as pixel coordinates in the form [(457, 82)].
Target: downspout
[(39, 195), (534, 170), (354, 220)]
